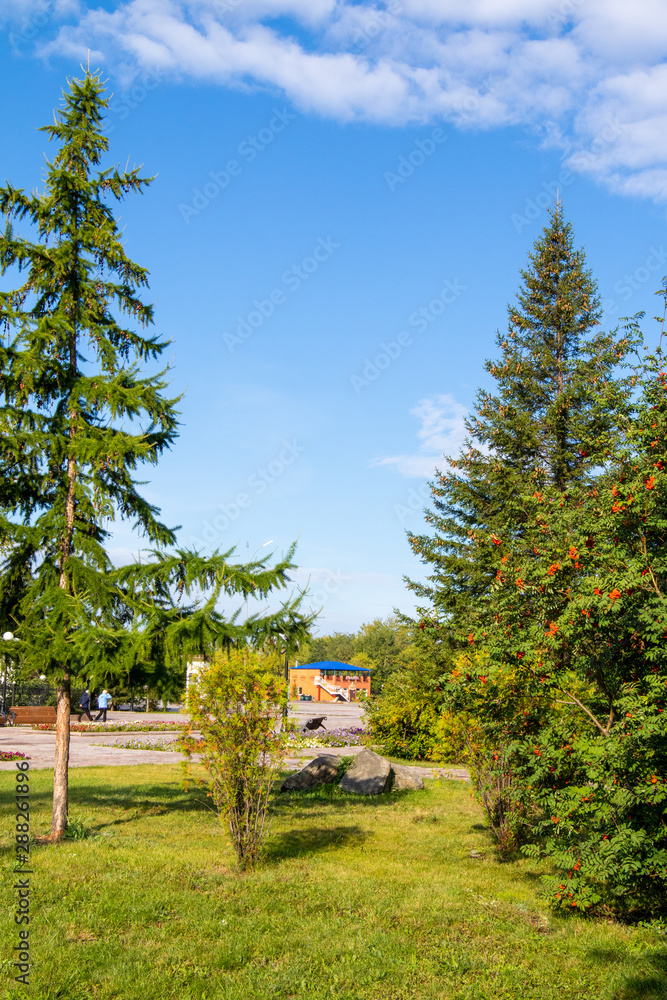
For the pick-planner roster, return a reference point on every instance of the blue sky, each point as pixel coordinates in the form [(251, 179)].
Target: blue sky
[(344, 196)]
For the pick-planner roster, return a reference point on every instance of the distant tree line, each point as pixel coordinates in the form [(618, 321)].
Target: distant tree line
[(383, 645)]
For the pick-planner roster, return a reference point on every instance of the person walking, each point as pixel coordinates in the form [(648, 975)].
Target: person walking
[(103, 702), (84, 706)]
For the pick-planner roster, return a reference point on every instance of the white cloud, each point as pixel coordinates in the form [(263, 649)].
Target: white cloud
[(36, 10), (442, 432), (570, 70), (24, 21)]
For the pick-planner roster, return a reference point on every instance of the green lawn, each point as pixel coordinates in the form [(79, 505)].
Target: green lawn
[(371, 898)]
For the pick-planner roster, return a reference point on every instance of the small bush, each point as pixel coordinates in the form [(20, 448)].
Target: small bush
[(236, 705), (402, 726)]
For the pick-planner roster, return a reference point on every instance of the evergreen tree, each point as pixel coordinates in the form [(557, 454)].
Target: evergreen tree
[(548, 421), (569, 676), (550, 572), (78, 418)]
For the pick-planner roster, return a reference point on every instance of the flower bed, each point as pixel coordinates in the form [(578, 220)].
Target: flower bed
[(118, 727), (168, 745), (13, 755), (352, 737)]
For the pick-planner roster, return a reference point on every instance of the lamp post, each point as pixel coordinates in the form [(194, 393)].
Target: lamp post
[(7, 637), (285, 706), (283, 636)]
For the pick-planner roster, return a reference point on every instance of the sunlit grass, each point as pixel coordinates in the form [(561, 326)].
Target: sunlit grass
[(356, 898)]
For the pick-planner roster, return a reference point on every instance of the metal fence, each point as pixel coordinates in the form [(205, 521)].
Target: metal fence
[(34, 693)]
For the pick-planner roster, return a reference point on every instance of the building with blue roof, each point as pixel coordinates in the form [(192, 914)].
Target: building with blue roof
[(329, 680)]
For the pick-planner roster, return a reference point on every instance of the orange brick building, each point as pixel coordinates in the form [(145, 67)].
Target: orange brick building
[(330, 681)]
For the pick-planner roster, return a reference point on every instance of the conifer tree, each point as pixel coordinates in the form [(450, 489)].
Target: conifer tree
[(78, 417), (548, 421), (568, 675)]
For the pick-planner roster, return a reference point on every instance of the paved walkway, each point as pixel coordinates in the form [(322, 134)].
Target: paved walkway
[(86, 751), (339, 715), (40, 747), (94, 749)]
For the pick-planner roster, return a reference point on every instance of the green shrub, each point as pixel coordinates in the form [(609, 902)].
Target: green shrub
[(402, 726), (602, 804), (236, 705)]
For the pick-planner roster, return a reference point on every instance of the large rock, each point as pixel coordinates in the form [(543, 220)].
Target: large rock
[(407, 778), (369, 775), (320, 771)]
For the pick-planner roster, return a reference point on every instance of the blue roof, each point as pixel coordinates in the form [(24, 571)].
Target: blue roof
[(333, 665)]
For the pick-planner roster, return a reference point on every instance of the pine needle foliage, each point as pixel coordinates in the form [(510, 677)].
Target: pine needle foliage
[(549, 570), (546, 422), (81, 412)]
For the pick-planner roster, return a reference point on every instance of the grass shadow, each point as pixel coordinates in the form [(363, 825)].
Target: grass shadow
[(126, 803), (330, 795), (297, 843), (649, 979)]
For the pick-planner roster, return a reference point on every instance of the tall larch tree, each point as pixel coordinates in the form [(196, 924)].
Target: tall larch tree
[(79, 416)]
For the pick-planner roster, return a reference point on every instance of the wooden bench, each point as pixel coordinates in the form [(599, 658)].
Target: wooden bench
[(31, 715)]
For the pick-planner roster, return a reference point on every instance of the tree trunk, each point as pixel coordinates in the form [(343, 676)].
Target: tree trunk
[(61, 762), (63, 701)]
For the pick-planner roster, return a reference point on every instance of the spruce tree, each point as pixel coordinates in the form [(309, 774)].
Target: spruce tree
[(79, 417), (547, 422), (568, 675)]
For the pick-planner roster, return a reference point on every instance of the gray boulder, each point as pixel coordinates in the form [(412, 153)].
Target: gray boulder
[(407, 778), (369, 775), (320, 771)]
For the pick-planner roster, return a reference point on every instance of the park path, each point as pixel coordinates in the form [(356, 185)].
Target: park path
[(94, 750)]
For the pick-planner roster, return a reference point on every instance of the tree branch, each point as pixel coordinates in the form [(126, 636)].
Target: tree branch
[(575, 701)]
